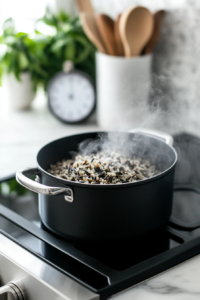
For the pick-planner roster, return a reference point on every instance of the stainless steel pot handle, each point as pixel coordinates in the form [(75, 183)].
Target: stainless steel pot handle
[(41, 188), (167, 138), (14, 289)]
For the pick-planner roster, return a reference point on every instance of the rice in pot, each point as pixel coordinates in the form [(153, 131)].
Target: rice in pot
[(101, 168)]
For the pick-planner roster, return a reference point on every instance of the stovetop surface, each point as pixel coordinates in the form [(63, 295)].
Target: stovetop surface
[(108, 268)]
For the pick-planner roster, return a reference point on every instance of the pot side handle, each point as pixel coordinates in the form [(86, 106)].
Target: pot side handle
[(167, 138), (41, 188)]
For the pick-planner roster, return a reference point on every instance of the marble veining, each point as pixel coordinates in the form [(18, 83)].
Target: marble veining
[(179, 283)]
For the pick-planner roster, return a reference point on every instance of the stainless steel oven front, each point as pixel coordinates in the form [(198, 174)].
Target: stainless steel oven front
[(26, 277)]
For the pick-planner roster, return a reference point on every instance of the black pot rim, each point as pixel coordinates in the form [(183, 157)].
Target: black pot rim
[(86, 185)]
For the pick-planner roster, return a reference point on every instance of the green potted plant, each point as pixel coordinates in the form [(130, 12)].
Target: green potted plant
[(29, 61), (15, 60), (69, 42)]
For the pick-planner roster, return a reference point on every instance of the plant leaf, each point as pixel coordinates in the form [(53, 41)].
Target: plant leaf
[(70, 51), (60, 43), (23, 61)]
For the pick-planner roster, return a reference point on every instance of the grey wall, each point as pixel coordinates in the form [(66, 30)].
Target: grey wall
[(175, 93)]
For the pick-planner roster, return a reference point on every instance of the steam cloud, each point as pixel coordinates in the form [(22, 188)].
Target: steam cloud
[(153, 113)]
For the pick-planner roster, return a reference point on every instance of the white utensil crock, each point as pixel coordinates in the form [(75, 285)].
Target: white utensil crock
[(122, 90), (19, 94)]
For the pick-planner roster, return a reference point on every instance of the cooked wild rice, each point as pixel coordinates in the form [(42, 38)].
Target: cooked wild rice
[(101, 168)]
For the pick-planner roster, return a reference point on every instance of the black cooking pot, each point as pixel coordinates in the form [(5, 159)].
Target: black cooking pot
[(86, 212)]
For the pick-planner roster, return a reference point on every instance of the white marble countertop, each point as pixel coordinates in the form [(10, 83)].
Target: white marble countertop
[(24, 133), (179, 283)]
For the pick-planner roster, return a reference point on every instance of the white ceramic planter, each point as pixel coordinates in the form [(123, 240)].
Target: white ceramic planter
[(122, 90), (19, 94)]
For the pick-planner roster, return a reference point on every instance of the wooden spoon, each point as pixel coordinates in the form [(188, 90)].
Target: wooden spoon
[(136, 27), (85, 6), (158, 16), (118, 41), (106, 29), (88, 22)]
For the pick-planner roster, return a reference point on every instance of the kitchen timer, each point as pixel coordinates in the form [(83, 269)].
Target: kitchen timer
[(71, 94)]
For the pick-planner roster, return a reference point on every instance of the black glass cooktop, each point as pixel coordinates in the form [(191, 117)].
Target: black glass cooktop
[(108, 268)]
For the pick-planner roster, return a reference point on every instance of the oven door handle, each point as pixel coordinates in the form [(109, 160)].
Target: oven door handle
[(14, 289), (21, 177)]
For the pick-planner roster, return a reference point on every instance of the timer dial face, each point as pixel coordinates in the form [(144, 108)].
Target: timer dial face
[(71, 96)]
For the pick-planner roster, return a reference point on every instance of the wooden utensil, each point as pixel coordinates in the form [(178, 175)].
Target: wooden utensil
[(118, 41), (136, 27), (90, 27), (105, 26), (85, 6), (158, 16)]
